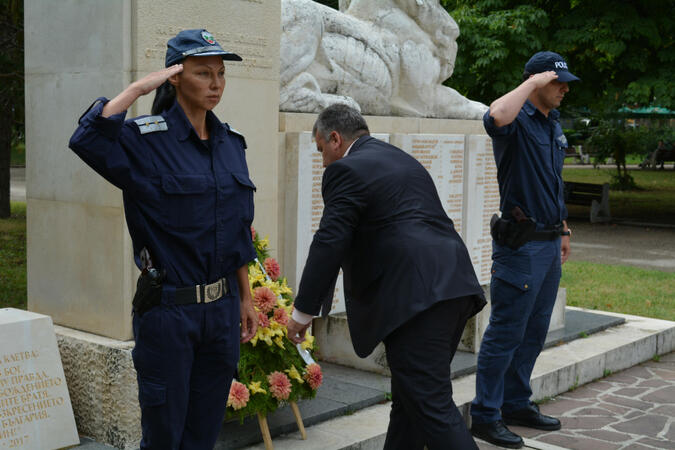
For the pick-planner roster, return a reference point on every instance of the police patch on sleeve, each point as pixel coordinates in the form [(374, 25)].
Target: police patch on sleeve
[(151, 124), (562, 140)]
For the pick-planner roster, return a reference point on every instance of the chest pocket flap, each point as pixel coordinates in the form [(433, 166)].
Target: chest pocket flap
[(243, 179), (184, 184)]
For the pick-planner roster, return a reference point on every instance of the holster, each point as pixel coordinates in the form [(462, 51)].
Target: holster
[(148, 291), (511, 234)]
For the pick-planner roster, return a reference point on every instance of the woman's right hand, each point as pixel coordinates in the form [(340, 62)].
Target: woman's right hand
[(144, 86)]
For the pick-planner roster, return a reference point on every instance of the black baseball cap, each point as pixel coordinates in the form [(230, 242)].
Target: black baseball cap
[(545, 61), (194, 43)]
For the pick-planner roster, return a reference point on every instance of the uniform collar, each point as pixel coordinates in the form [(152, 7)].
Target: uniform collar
[(530, 109), (183, 126)]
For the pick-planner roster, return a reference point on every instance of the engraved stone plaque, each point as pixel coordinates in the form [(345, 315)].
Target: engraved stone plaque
[(35, 408), (443, 156), (482, 201)]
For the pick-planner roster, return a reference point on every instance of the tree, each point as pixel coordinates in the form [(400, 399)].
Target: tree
[(11, 90), (623, 51)]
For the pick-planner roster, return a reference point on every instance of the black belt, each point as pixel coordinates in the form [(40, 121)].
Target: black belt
[(546, 235), (202, 293)]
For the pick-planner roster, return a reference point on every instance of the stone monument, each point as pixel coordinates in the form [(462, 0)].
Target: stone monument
[(386, 57), (35, 409)]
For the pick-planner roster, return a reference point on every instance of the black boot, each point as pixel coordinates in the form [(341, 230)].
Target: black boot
[(531, 417), (497, 433)]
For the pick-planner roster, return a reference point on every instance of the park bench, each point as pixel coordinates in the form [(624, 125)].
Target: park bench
[(659, 157), (594, 195)]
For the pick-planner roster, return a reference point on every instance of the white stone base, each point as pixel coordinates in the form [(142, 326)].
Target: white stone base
[(103, 389)]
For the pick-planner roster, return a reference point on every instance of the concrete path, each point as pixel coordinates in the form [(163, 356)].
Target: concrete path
[(646, 246), (17, 184), (632, 409)]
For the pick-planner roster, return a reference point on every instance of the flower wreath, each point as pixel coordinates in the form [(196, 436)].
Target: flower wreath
[(272, 370)]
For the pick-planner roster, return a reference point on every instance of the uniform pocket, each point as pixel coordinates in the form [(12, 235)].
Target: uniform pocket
[(518, 280), (244, 192), (188, 200)]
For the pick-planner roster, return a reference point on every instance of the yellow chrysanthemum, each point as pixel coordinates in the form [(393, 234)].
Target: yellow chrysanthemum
[(279, 340), (308, 343), (256, 388), (293, 373)]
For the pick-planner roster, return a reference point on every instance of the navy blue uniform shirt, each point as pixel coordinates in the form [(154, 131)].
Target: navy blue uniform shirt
[(189, 203), (529, 153)]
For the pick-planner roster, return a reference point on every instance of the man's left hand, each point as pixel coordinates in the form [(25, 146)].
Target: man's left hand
[(564, 249), (296, 331)]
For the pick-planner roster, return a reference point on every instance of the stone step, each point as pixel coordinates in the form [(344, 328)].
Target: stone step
[(558, 369)]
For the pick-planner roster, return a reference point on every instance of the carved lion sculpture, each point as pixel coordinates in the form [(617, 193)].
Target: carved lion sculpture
[(385, 57)]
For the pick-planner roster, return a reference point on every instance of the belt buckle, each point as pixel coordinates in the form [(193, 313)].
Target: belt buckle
[(213, 292)]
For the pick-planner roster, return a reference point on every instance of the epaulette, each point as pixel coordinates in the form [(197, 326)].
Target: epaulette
[(150, 124), (232, 130)]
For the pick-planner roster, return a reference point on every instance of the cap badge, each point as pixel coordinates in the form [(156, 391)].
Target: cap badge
[(208, 37)]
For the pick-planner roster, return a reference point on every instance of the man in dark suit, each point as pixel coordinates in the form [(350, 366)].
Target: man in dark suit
[(408, 278)]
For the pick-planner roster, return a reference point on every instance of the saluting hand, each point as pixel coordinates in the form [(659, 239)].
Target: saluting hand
[(542, 79), (145, 85), (153, 80)]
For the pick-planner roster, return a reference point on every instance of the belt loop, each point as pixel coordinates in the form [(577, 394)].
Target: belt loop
[(198, 293)]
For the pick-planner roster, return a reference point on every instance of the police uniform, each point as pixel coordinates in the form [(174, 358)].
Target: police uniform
[(529, 153), (190, 203)]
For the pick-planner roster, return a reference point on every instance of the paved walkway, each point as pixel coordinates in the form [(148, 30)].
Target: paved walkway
[(632, 409)]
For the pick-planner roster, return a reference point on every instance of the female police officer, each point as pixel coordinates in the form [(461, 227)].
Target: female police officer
[(188, 201)]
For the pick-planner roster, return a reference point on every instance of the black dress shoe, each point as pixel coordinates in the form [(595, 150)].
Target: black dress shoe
[(497, 433), (531, 417)]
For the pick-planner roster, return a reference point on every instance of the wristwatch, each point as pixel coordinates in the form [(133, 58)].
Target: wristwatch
[(567, 232)]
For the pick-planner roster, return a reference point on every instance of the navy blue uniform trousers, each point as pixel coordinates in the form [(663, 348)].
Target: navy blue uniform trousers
[(419, 354), (185, 358), (523, 291)]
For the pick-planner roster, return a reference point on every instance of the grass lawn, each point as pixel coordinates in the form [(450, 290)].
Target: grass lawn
[(622, 289), (13, 258), (653, 202)]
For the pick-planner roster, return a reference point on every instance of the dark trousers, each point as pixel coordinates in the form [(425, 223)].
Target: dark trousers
[(185, 358), (419, 354), (523, 291)]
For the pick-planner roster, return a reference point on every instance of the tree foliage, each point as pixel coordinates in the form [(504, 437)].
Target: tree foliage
[(623, 51), (11, 90)]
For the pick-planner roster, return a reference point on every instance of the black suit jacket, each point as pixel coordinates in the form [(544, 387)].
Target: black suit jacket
[(384, 224)]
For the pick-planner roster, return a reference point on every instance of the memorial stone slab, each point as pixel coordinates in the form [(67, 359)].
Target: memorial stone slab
[(481, 200), (443, 156), (35, 408)]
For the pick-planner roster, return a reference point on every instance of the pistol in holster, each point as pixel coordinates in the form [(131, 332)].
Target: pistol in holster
[(148, 290), (512, 233)]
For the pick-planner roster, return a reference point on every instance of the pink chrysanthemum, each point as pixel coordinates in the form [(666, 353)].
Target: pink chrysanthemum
[(264, 299), (280, 385), (313, 376), (263, 320), (252, 233), (272, 268), (239, 395), (281, 316)]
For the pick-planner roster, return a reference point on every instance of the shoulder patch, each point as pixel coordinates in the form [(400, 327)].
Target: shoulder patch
[(233, 131), (151, 124)]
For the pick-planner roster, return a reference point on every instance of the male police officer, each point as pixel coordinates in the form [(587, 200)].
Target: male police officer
[(531, 241)]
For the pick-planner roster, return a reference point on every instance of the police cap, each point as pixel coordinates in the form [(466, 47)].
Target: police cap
[(545, 61), (194, 43)]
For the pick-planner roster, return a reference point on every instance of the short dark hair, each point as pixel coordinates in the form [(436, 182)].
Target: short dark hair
[(341, 118)]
